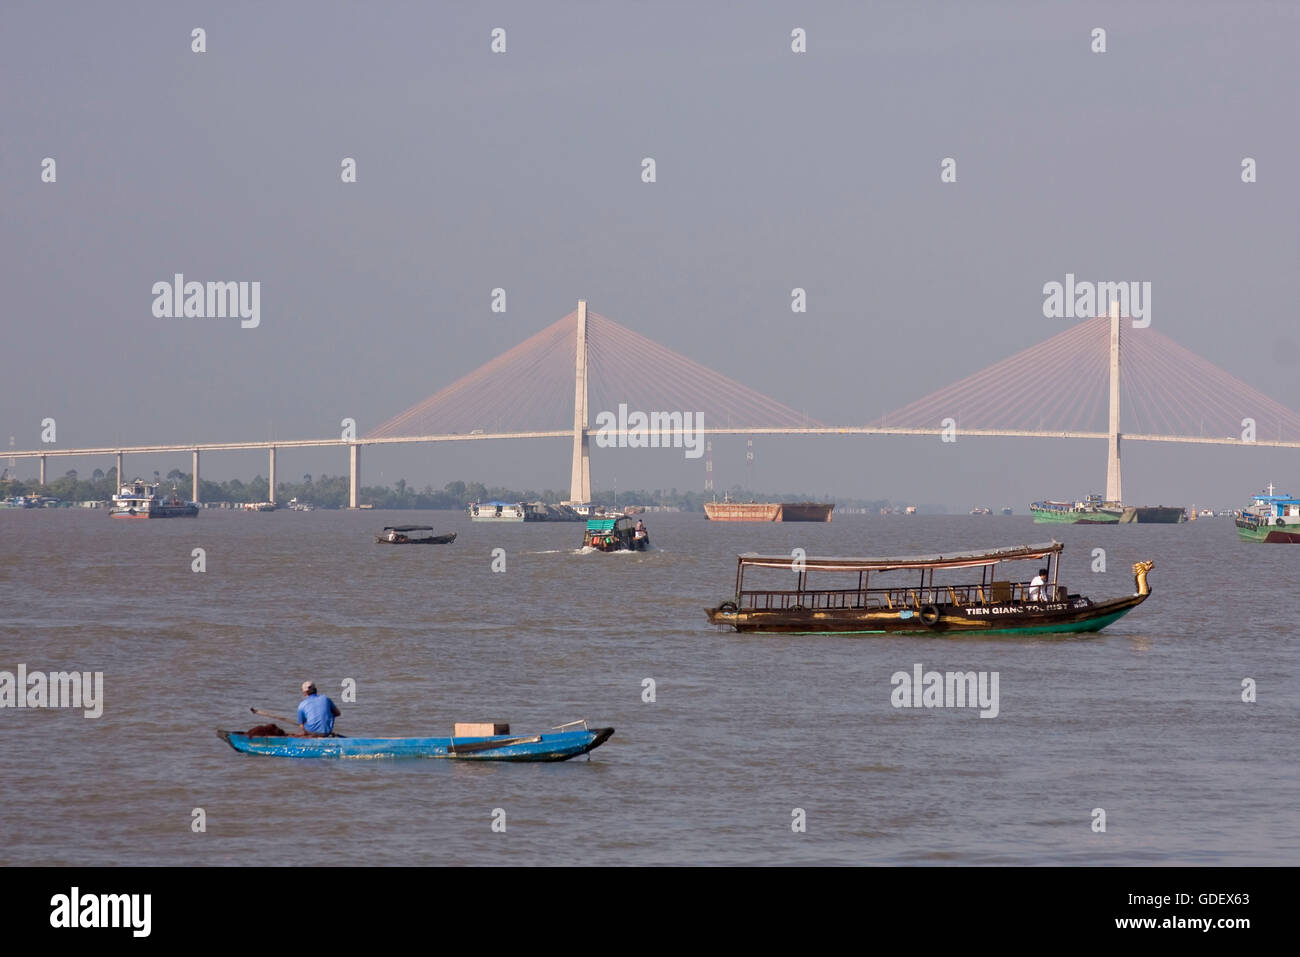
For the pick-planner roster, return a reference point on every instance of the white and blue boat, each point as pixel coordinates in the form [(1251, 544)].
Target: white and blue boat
[(1271, 517)]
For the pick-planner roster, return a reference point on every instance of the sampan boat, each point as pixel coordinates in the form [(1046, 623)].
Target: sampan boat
[(558, 744), (913, 603), (402, 535), (617, 534)]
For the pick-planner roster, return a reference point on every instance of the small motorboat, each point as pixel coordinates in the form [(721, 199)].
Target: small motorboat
[(404, 535), (557, 744), (616, 535)]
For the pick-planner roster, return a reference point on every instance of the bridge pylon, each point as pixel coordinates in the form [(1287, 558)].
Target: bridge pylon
[(580, 475), (1114, 492)]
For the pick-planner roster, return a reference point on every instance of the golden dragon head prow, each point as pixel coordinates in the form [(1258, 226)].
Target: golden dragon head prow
[(1140, 570)]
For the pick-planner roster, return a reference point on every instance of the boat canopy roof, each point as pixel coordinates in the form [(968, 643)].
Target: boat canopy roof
[(600, 524), (408, 528), (953, 560)]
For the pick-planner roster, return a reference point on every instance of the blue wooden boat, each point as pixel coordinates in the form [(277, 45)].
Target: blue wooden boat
[(558, 744)]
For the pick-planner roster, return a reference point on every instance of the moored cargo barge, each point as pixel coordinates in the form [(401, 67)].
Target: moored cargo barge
[(727, 511)]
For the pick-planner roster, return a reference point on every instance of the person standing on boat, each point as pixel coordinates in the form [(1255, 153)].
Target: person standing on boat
[(1038, 587), (639, 531), (316, 713)]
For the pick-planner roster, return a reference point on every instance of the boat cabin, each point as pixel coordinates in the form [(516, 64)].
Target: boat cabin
[(403, 533), (1269, 506), (899, 583)]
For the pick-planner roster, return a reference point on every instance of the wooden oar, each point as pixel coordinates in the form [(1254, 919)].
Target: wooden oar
[(294, 722), (277, 717)]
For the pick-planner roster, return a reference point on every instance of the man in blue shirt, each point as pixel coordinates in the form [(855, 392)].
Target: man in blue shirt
[(316, 713)]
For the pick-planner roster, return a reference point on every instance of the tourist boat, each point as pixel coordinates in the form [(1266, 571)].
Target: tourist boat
[(1271, 517), (981, 510), (913, 602), (615, 534), (729, 511), (20, 501), (401, 535), (558, 744), (141, 500), (1008, 510)]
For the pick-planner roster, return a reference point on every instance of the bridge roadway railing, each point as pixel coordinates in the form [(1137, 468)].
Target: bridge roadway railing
[(665, 433), (894, 597)]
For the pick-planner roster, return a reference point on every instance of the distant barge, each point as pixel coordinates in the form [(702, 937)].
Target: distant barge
[(727, 511), (521, 512), (140, 499), (1094, 511)]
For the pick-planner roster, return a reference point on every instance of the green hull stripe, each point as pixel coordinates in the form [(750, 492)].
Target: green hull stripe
[(1072, 518)]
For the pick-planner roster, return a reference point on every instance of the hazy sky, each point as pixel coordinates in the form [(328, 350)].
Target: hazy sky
[(522, 170)]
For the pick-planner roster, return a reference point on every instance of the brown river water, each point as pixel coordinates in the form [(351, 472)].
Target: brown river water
[(1144, 720)]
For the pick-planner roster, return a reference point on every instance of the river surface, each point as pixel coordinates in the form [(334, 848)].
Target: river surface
[(1144, 720)]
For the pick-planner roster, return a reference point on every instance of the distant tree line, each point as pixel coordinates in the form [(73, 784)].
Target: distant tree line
[(331, 491)]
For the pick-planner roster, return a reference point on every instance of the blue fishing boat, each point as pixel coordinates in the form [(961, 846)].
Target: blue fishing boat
[(558, 744)]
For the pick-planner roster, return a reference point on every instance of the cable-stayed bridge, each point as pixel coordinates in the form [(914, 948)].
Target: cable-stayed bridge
[(1099, 379)]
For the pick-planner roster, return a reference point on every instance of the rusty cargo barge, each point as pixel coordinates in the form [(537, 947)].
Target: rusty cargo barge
[(727, 511)]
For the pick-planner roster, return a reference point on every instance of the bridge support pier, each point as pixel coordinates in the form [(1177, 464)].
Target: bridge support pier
[(354, 474), (271, 480), (194, 494), (1114, 491), (42, 470), (120, 479)]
